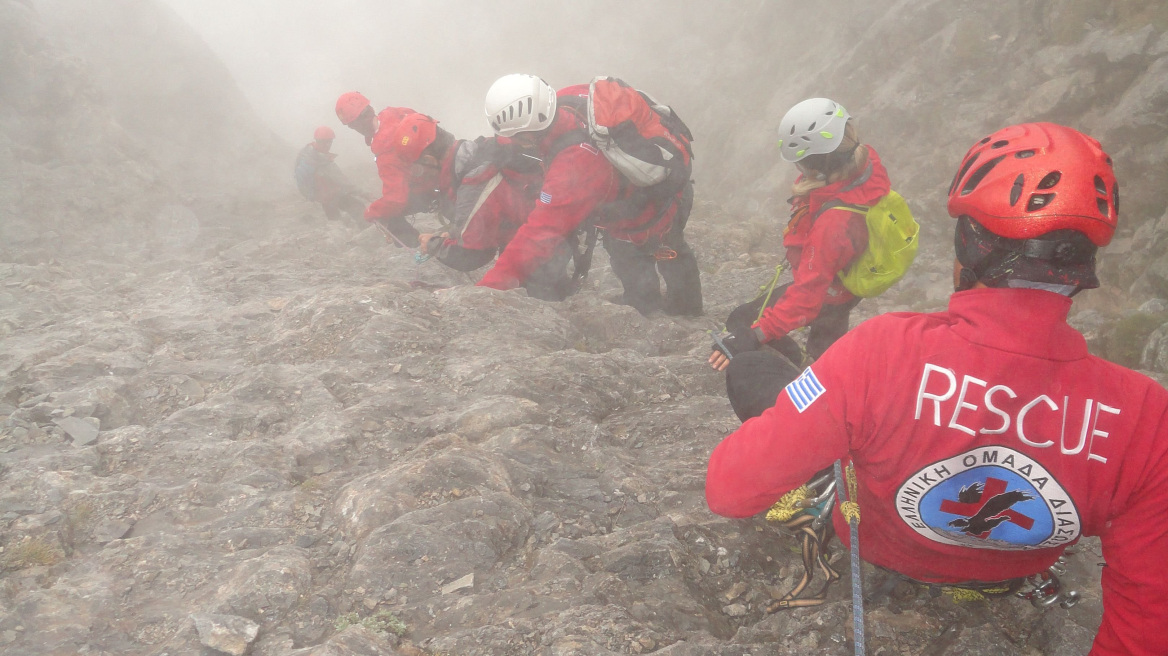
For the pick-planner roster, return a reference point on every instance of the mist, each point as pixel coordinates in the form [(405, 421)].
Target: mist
[(231, 422), (292, 59)]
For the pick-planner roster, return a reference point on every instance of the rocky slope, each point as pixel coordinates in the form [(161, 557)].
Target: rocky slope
[(224, 422), (288, 430)]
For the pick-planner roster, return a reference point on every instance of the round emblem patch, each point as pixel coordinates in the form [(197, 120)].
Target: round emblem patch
[(989, 498)]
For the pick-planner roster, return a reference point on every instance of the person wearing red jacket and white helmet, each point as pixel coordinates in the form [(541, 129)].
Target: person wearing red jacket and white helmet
[(822, 240), (581, 186), (401, 194), (985, 439)]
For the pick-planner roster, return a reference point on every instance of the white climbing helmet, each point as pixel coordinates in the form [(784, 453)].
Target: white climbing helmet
[(813, 127), (520, 103)]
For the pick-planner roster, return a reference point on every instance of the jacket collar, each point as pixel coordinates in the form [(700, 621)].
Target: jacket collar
[(1024, 321), (864, 188)]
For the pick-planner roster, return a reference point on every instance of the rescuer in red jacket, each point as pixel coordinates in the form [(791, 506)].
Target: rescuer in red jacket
[(581, 186), (822, 241), (985, 439), (319, 178), (402, 194), (486, 188)]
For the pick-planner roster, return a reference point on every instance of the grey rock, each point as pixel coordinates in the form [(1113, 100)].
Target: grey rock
[(734, 610), (110, 530), (264, 589), (1155, 354), (463, 583), (353, 641), (82, 431), (229, 634)]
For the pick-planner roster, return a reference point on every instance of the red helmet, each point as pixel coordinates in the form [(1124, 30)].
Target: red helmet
[(350, 105), (412, 136), (324, 133), (1030, 179)]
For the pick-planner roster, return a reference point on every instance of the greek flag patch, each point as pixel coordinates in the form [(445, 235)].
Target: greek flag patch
[(804, 390), (545, 198)]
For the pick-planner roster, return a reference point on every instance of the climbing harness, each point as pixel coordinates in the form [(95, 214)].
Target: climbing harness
[(664, 253), (1045, 589), (806, 512)]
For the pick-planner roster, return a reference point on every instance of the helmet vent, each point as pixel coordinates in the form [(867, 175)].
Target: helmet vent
[(1016, 190), (978, 175), (961, 173), (1115, 198), (811, 128), (1051, 180), (520, 105), (1100, 186), (542, 117), (1102, 203), (529, 101), (1038, 201), (983, 141), (1023, 154), (1000, 144)]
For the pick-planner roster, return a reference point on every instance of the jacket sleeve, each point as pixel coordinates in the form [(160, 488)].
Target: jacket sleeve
[(829, 251), (395, 191), (1135, 579), (781, 449), (461, 258), (578, 180)]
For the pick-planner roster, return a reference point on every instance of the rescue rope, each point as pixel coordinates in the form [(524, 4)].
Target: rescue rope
[(851, 511)]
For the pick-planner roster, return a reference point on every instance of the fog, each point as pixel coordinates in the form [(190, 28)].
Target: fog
[(218, 405), (292, 58)]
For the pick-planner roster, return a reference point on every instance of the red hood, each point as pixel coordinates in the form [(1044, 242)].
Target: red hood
[(387, 122), (566, 118)]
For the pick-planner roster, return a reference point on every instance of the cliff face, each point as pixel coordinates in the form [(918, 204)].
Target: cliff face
[(163, 84), (110, 114)]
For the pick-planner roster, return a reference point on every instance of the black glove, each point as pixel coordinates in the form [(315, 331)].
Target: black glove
[(740, 341)]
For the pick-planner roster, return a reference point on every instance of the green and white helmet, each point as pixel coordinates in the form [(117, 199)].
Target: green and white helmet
[(813, 127)]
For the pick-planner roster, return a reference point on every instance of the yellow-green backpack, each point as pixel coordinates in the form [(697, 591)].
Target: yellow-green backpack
[(892, 246)]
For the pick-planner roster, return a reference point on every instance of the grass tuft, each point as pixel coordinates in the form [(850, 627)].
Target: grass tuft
[(382, 622)]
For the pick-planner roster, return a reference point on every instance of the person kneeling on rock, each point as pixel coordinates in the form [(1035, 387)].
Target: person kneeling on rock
[(402, 194), (823, 238), (980, 442)]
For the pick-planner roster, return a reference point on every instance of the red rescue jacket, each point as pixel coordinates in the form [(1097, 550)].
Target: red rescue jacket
[(820, 247), (577, 181), (490, 189), (985, 439), (396, 181)]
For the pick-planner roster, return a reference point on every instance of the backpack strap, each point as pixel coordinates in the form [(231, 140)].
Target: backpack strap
[(564, 141), (834, 204)]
